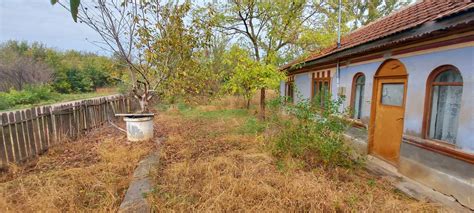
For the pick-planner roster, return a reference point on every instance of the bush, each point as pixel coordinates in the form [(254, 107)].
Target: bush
[(4, 102), (30, 95), (312, 134)]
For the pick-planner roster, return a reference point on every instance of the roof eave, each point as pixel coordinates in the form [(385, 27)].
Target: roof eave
[(418, 32)]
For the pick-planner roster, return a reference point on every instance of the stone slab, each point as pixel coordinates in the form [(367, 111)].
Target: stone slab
[(135, 198)]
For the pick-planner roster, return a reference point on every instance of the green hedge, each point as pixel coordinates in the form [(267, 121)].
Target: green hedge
[(30, 95)]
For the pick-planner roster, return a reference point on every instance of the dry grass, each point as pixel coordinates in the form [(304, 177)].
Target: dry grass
[(91, 174), (206, 165)]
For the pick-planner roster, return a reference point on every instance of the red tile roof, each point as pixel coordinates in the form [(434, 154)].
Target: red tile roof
[(404, 19)]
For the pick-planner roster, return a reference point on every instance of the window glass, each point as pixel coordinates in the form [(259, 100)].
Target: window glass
[(361, 79), (359, 96), (445, 107), (289, 90), (392, 94), (315, 88), (449, 76), (325, 88)]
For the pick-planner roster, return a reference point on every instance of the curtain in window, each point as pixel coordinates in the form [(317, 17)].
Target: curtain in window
[(359, 96)]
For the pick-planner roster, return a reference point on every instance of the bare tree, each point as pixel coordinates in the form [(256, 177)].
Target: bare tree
[(18, 71), (116, 22)]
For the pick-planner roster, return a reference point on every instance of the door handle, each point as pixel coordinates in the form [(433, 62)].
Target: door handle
[(399, 119)]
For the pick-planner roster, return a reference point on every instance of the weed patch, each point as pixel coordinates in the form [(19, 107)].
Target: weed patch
[(313, 134), (252, 126)]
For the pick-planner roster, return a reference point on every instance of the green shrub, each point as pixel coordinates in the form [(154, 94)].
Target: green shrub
[(4, 101), (30, 95), (312, 134)]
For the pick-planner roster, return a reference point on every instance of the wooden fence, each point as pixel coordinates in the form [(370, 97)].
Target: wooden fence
[(24, 134)]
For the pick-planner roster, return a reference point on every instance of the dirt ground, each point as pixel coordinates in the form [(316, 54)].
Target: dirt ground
[(212, 162), (88, 175), (215, 158)]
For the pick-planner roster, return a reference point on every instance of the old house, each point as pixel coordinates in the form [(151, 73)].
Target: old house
[(409, 79)]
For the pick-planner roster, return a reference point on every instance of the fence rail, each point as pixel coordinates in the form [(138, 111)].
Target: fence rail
[(26, 133)]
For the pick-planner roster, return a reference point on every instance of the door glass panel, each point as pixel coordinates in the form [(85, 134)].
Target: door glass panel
[(392, 94)]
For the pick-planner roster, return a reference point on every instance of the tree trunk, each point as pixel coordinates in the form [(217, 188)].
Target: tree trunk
[(143, 100), (143, 105), (248, 103), (262, 103)]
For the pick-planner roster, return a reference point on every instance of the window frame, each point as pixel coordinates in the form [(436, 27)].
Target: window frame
[(320, 78), (430, 83), (353, 91)]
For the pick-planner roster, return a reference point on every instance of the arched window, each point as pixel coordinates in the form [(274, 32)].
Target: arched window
[(444, 91), (358, 86)]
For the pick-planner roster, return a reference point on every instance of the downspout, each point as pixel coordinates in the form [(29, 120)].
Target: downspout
[(338, 70)]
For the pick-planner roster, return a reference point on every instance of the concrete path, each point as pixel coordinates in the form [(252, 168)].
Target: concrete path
[(135, 198), (412, 188)]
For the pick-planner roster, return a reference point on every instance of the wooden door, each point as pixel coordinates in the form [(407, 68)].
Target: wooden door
[(389, 116)]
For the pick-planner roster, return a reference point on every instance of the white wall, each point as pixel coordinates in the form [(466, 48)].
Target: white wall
[(347, 76), (302, 87), (282, 88), (418, 67)]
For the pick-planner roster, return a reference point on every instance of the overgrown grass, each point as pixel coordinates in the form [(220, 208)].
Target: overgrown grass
[(222, 163), (89, 175), (253, 126)]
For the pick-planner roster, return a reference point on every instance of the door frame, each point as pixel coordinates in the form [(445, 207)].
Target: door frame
[(373, 105)]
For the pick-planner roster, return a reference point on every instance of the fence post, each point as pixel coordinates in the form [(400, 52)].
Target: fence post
[(21, 135), (26, 114), (50, 126), (41, 129), (14, 135), (8, 138), (3, 144), (36, 134)]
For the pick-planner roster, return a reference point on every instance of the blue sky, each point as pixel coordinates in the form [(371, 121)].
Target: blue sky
[(38, 20)]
